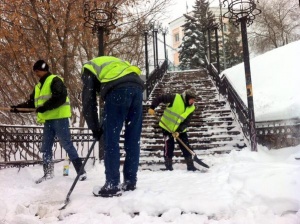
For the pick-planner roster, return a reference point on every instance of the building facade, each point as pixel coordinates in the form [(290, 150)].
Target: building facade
[(177, 32)]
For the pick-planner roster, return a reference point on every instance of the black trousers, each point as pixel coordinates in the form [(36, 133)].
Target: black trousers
[(169, 144)]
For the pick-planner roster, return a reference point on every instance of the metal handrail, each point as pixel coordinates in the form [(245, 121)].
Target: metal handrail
[(273, 134), (155, 76)]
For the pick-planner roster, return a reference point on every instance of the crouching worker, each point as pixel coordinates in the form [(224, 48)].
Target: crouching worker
[(52, 104), (176, 116)]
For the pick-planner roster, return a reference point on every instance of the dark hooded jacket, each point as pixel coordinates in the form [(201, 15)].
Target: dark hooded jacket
[(169, 99)]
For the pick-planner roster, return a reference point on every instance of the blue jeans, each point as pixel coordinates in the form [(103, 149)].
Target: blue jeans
[(60, 129), (122, 106)]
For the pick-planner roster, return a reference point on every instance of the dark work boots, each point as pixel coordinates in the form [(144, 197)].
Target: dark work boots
[(128, 186), (190, 164), (169, 163), (107, 191), (48, 173)]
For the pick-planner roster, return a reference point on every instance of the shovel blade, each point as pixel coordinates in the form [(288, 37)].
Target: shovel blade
[(66, 204), (197, 160)]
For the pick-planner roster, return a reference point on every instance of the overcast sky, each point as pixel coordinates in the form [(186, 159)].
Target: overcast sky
[(179, 7), (176, 9)]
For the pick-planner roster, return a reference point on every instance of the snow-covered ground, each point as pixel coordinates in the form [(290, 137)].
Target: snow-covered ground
[(275, 80), (240, 188)]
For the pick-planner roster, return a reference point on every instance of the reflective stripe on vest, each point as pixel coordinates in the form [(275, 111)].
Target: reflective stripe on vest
[(108, 68), (42, 95), (175, 115)]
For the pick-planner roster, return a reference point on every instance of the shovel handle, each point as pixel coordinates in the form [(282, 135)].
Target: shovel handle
[(19, 109), (195, 158), (177, 138)]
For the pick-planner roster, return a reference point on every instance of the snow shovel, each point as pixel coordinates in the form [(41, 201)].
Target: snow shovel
[(78, 175), (19, 109), (194, 156)]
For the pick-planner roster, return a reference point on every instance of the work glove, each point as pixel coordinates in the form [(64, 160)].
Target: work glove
[(151, 111), (40, 109), (175, 134), (97, 134), (14, 109)]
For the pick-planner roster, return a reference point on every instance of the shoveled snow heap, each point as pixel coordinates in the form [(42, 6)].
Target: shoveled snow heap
[(240, 188)]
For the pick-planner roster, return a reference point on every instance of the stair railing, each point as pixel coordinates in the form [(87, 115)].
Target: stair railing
[(273, 134), (237, 106), (155, 76)]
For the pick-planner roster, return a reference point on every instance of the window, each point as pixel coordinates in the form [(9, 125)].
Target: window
[(177, 37)]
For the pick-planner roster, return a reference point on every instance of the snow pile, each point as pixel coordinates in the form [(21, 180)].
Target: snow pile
[(241, 187), (275, 79)]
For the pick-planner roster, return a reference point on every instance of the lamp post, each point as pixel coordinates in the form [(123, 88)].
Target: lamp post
[(209, 51), (215, 27), (244, 12), (164, 31), (155, 29), (146, 32), (223, 41), (154, 48), (204, 30), (101, 19), (146, 54)]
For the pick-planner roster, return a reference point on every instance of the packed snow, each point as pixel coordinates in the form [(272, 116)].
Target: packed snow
[(275, 82), (240, 188)]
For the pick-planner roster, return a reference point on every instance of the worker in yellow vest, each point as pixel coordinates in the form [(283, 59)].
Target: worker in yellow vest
[(176, 117), (121, 88), (50, 98)]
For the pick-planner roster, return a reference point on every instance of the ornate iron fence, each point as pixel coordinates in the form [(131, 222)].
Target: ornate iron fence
[(278, 133), (22, 143)]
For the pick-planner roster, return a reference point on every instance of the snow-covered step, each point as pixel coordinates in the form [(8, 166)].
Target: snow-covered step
[(213, 128)]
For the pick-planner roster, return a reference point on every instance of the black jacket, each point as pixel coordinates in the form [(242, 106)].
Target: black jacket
[(58, 98), (92, 87), (169, 99)]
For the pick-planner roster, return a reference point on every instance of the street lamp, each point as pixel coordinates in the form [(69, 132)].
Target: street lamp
[(223, 41), (244, 12), (101, 19), (209, 50), (215, 27), (164, 31), (155, 29), (146, 29)]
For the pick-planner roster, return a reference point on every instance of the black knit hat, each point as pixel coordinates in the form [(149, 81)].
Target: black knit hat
[(40, 65), (190, 93)]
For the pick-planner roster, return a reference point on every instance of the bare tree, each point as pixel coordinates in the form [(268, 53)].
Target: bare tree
[(54, 31), (276, 26)]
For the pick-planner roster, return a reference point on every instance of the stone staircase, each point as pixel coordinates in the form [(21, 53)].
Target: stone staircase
[(212, 129)]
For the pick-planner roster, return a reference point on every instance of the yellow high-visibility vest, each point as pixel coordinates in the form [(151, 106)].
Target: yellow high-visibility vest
[(175, 115), (109, 68), (41, 95)]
